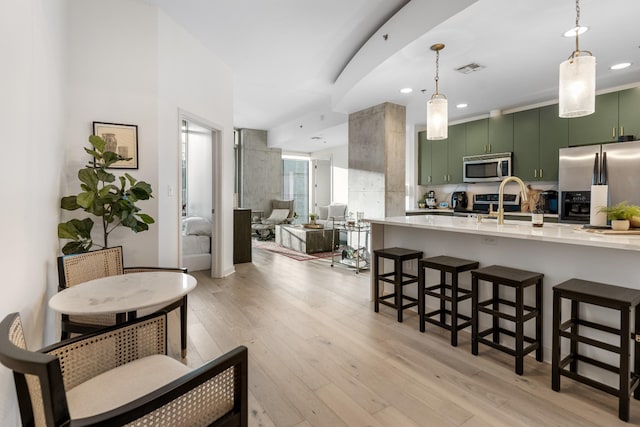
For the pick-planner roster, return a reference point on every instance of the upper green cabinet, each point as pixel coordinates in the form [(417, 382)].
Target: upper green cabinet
[(424, 159), (455, 152), (500, 134), (477, 137), (440, 162), (598, 127), (538, 136), (526, 144), (554, 135), (629, 112), (617, 113)]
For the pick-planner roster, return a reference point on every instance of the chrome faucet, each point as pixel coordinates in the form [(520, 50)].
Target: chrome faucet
[(500, 213)]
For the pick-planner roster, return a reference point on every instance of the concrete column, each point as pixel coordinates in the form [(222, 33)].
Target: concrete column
[(261, 171), (377, 139)]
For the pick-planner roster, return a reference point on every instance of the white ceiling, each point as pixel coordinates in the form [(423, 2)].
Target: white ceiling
[(286, 56)]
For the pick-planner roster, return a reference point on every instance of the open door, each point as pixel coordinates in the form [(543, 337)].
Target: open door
[(199, 235)]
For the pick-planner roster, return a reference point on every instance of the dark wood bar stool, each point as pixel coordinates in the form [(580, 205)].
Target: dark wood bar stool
[(399, 278), (454, 266), (519, 280), (602, 295)]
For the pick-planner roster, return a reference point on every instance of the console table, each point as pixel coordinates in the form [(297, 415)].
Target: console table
[(355, 250)]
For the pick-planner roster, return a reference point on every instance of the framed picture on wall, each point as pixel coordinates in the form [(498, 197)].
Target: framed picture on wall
[(121, 139)]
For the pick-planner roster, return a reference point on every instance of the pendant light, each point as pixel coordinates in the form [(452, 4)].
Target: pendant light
[(437, 106), (578, 80)]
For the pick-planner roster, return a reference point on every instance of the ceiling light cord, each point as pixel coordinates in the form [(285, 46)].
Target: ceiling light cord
[(437, 70), (577, 52)]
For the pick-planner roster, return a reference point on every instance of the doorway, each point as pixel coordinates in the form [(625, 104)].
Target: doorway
[(199, 237)]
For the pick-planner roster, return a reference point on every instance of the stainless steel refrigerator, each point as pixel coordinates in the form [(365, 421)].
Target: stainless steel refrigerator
[(576, 175)]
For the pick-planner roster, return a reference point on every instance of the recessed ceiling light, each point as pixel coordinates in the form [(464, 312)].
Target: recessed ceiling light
[(462, 105), (572, 32), (406, 90), (620, 66)]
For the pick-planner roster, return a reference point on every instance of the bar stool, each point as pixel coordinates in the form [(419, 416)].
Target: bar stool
[(519, 280), (444, 264), (602, 295), (398, 278)]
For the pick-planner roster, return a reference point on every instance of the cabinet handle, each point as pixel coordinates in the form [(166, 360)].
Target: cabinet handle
[(613, 133), (535, 173), (485, 148), (621, 130), (489, 147), (540, 172), (429, 179)]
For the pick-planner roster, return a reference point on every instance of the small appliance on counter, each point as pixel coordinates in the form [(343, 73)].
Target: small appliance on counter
[(431, 200), (459, 201)]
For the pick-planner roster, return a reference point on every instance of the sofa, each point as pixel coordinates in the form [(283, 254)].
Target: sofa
[(334, 211)]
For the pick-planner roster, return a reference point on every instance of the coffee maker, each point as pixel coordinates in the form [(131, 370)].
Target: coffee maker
[(459, 201)]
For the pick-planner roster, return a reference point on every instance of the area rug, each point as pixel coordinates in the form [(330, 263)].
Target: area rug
[(281, 250)]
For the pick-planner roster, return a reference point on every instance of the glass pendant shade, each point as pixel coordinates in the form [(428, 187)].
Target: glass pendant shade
[(578, 86), (437, 117)]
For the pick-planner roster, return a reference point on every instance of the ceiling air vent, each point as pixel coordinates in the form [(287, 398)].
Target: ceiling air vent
[(470, 68)]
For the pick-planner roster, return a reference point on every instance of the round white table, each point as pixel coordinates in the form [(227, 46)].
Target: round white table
[(124, 293)]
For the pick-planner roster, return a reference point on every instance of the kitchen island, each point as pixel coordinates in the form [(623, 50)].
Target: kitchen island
[(560, 251)]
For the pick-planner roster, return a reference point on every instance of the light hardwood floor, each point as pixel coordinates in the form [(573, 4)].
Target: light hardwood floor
[(320, 356)]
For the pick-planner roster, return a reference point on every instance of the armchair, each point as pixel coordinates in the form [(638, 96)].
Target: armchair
[(281, 213), (122, 375), (78, 268)]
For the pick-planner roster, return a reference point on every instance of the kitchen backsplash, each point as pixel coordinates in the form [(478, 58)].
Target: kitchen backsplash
[(443, 192)]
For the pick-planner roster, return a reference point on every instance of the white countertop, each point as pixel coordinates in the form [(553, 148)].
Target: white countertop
[(570, 234)]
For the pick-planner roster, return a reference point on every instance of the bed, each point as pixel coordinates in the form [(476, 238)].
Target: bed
[(196, 243)]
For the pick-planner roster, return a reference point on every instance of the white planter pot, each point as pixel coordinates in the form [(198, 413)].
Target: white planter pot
[(620, 224)]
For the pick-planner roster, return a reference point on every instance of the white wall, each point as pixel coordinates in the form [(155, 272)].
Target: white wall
[(191, 80), (32, 112), (132, 70), (113, 78)]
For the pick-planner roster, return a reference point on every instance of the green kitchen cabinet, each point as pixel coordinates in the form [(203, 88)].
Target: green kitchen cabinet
[(526, 144), (439, 170), (477, 140), (538, 136), (599, 127), (440, 162), (500, 134), (554, 135), (455, 152), (424, 159), (629, 112)]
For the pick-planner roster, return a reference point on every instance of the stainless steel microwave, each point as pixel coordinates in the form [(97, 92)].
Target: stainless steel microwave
[(487, 167)]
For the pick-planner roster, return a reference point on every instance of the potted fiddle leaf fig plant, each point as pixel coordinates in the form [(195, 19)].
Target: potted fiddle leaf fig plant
[(112, 199)]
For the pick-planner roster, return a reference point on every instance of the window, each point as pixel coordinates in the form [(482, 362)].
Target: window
[(295, 174)]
